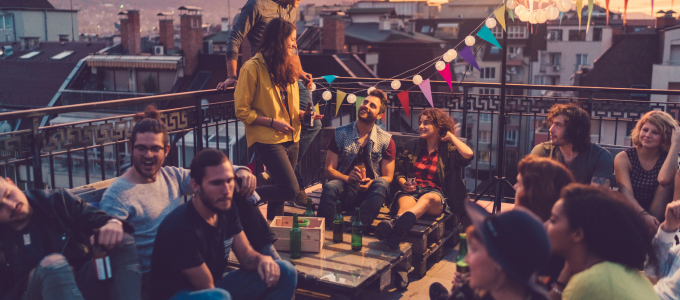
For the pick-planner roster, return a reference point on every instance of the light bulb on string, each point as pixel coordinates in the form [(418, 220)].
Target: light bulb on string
[(440, 65), (327, 95), (370, 90), (313, 87), (351, 98), (396, 84), (512, 4), (449, 55), (470, 40), (417, 79), (491, 23)]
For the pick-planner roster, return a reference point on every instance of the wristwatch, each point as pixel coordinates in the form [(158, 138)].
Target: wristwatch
[(115, 221)]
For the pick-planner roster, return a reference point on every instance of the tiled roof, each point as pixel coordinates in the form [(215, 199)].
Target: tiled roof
[(26, 4), (370, 32), (30, 83), (371, 11)]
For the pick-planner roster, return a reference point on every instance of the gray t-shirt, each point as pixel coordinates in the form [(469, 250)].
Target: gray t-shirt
[(144, 206), (594, 162)]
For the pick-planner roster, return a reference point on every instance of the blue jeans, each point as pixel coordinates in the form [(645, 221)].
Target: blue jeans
[(241, 284), (307, 134), (369, 202)]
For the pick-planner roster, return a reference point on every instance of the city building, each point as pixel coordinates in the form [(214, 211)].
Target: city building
[(31, 20)]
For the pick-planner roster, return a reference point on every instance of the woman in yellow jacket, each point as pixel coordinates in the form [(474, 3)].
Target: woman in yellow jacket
[(267, 102)]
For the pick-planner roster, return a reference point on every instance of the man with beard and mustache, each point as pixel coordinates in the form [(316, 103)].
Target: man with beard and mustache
[(194, 241), (147, 192), (44, 248), (355, 144), (570, 145)]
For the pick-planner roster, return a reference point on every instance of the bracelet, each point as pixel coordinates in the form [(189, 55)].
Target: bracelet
[(556, 290), (115, 221), (271, 122)]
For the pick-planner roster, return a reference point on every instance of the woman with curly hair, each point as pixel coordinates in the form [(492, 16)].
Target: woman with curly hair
[(645, 172), (428, 173), (539, 183)]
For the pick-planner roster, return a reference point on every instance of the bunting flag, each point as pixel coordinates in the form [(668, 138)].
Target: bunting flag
[(511, 13), (403, 98), (329, 78), (606, 4), (446, 73), (590, 12), (499, 13), (316, 108), (486, 35), (579, 11), (653, 6), (384, 114), (358, 103), (338, 102), (427, 90), (625, 11), (468, 56)]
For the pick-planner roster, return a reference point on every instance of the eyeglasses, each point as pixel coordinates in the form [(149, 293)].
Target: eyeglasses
[(143, 149)]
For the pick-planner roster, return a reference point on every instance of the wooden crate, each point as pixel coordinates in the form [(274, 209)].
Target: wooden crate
[(312, 235)]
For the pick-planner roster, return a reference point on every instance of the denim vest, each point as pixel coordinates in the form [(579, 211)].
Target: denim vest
[(347, 139)]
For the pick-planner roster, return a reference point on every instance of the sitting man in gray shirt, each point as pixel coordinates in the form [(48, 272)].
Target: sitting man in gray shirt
[(148, 192), (570, 144)]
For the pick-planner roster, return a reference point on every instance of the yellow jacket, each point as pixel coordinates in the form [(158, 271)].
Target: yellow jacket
[(255, 95)]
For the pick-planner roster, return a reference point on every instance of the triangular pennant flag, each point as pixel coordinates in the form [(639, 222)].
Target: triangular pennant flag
[(579, 11), (446, 73), (403, 98), (316, 108), (486, 35), (511, 13), (625, 11), (329, 78), (384, 115), (653, 6), (427, 90), (338, 102), (358, 103), (499, 13), (467, 55), (590, 12), (607, 6)]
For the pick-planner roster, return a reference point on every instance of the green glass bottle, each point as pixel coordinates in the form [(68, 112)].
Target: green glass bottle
[(295, 238), (310, 208), (461, 265), (357, 233), (338, 224)]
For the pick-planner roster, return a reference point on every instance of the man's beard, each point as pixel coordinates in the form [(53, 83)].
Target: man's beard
[(139, 162), (208, 202), (368, 119)]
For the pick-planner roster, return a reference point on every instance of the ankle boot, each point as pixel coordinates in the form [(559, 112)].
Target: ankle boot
[(384, 228), (400, 228)]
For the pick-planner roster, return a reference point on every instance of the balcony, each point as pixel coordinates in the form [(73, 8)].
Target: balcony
[(79, 153)]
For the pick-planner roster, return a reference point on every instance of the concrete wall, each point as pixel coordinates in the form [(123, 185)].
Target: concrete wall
[(666, 72), (32, 24)]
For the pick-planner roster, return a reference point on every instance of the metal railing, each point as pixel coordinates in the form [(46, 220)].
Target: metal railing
[(80, 153)]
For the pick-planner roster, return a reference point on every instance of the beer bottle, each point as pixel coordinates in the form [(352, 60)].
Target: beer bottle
[(295, 238), (357, 233), (309, 115), (100, 260), (462, 247), (310, 208), (338, 224)]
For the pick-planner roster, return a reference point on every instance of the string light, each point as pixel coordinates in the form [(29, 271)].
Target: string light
[(370, 89), (327, 95), (469, 40), (313, 87), (450, 55), (491, 23), (417, 79), (440, 65), (512, 4), (351, 98), (396, 84)]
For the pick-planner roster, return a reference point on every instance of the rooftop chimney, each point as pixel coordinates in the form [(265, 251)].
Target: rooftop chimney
[(665, 19), (333, 35), (191, 36), (123, 30), (134, 39), (166, 31), (225, 24)]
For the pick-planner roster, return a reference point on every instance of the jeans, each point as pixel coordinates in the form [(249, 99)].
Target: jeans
[(241, 284), (54, 279), (369, 202), (279, 160), (307, 133)]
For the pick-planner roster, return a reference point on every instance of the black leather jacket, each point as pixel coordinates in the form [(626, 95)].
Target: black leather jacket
[(66, 223)]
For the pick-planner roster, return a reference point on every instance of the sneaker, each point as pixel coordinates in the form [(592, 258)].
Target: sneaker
[(438, 292), (301, 199), (305, 280), (400, 228), (384, 229)]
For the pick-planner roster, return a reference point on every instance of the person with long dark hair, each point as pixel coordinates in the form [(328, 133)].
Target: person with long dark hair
[(434, 162), (570, 145), (645, 172), (604, 243), (266, 101)]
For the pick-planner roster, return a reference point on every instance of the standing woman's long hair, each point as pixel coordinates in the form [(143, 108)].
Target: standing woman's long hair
[(283, 67)]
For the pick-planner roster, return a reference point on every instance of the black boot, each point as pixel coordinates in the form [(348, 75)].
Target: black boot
[(384, 228), (438, 292), (400, 228)]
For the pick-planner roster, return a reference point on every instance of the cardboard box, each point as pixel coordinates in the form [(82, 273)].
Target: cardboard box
[(312, 235)]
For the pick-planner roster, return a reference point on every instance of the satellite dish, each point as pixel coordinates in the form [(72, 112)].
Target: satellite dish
[(5, 127)]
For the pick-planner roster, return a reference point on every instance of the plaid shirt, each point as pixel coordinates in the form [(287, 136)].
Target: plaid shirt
[(425, 168)]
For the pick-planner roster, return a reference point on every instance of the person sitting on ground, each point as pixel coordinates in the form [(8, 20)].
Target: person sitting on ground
[(604, 243), (539, 183), (666, 273), (148, 192), (194, 242), (645, 172), (44, 248), (570, 145), (504, 253), (359, 144), (435, 160)]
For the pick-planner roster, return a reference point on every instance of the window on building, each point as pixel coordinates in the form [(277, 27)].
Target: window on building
[(2, 22), (511, 137), (581, 60), (674, 86), (555, 58), (447, 30), (675, 54), (497, 32), (484, 156), (517, 32), (485, 91), (494, 50), (64, 38), (597, 34), (539, 80), (485, 117), (577, 35), (485, 136), (555, 35), (425, 29), (515, 52), (487, 73)]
